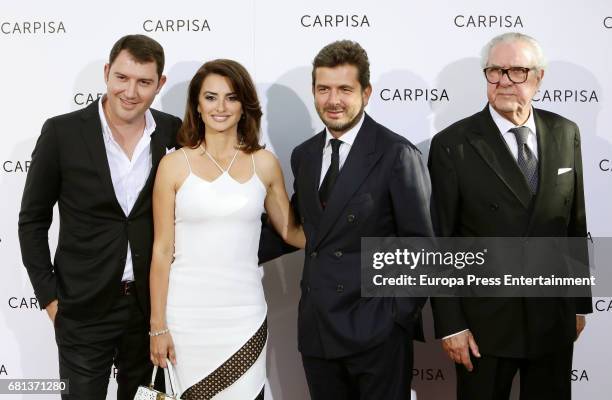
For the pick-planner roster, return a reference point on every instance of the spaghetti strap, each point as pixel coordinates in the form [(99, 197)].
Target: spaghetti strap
[(253, 159), (186, 159), (232, 162)]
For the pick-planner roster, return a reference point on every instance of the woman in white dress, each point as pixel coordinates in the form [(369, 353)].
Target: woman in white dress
[(208, 311)]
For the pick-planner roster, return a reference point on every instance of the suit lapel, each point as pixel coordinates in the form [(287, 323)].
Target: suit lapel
[(94, 140), (356, 168), (490, 145), (548, 149)]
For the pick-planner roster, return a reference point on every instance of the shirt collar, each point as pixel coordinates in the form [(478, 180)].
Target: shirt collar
[(106, 131), (504, 125), (349, 136)]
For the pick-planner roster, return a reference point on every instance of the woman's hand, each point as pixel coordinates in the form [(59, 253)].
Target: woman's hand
[(162, 348)]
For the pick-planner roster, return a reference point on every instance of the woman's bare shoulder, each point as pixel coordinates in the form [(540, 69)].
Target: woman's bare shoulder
[(175, 165), (265, 160)]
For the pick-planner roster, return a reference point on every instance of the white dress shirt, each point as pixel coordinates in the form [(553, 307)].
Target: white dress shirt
[(504, 127), (346, 140), (128, 176)]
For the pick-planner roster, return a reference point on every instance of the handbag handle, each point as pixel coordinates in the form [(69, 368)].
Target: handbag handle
[(171, 378)]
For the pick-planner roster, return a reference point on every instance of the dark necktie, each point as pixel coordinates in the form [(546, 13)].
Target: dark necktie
[(527, 161), (332, 173)]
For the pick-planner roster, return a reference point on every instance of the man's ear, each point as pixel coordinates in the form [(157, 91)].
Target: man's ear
[(160, 84), (106, 72), (367, 92), (540, 77)]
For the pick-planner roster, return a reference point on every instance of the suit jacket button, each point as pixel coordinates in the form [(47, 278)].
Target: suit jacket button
[(302, 219), (338, 253), (308, 289), (350, 217), (494, 206), (340, 288), (313, 254)]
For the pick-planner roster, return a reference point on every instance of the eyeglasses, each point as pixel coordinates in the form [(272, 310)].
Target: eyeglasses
[(515, 74)]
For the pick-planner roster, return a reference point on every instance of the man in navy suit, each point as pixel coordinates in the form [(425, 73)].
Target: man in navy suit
[(354, 179)]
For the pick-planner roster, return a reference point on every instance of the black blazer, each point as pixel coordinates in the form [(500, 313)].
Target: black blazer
[(479, 191), (382, 190), (69, 166)]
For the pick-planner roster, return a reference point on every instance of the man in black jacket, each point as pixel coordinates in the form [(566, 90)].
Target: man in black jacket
[(98, 164), (509, 170), (354, 179)]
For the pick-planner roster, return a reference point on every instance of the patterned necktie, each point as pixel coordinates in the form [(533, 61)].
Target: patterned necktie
[(332, 173), (527, 161)]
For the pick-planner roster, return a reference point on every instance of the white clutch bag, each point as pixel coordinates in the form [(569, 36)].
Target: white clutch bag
[(149, 393)]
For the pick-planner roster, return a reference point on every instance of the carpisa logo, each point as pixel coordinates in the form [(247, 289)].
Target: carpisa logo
[(566, 96), (413, 94), (176, 25), (32, 27), (579, 375), (335, 21), (428, 374), (488, 21), (82, 99), (10, 166), (23, 303), (603, 305)]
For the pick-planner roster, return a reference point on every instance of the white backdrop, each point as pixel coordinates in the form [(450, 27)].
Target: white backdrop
[(53, 53)]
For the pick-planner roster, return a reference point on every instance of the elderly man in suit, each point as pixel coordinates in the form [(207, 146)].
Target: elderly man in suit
[(354, 179), (509, 170), (98, 164)]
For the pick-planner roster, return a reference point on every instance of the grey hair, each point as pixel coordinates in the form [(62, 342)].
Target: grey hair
[(508, 37)]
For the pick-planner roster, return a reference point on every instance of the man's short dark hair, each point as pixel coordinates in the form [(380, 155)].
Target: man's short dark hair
[(142, 48), (344, 52)]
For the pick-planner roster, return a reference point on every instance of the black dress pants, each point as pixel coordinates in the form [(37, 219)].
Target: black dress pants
[(381, 372), (543, 378), (89, 348)]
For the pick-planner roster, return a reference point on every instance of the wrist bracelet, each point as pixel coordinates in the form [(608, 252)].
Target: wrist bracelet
[(159, 333)]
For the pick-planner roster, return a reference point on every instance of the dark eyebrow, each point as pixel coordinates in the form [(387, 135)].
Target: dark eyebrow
[(216, 94)]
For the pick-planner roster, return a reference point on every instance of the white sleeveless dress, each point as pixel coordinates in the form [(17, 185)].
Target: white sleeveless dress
[(216, 309)]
